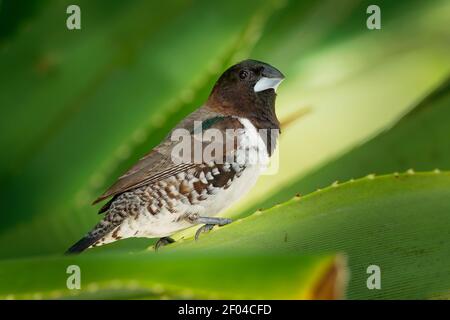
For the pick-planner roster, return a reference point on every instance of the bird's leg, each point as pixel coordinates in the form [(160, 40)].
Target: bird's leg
[(163, 242), (208, 223)]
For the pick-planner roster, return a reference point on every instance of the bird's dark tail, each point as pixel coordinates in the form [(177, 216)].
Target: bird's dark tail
[(83, 244), (97, 233)]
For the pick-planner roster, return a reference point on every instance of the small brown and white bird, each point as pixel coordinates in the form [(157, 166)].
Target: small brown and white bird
[(161, 195)]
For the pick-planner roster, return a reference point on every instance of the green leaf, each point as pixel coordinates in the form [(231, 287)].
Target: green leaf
[(418, 141), (181, 275), (398, 222)]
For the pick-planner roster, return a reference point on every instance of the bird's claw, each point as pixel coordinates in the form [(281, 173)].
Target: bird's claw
[(205, 228), (208, 223), (163, 242)]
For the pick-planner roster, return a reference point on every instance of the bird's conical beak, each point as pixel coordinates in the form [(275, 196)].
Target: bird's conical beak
[(271, 79)]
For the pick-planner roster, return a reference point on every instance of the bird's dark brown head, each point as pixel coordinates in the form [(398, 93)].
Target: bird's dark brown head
[(248, 89)]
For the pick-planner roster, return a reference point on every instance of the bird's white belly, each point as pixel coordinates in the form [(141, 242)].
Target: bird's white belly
[(147, 225), (225, 198)]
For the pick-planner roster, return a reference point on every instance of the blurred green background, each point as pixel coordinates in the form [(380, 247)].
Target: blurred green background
[(78, 107)]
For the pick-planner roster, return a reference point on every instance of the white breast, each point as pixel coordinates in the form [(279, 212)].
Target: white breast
[(252, 146), (253, 151)]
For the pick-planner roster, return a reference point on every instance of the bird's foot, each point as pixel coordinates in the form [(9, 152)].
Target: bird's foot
[(204, 228), (163, 242), (209, 223)]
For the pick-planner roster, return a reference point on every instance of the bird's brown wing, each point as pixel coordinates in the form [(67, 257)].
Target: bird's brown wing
[(152, 168), (158, 164)]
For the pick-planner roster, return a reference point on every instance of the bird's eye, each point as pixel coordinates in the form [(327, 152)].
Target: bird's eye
[(243, 74)]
